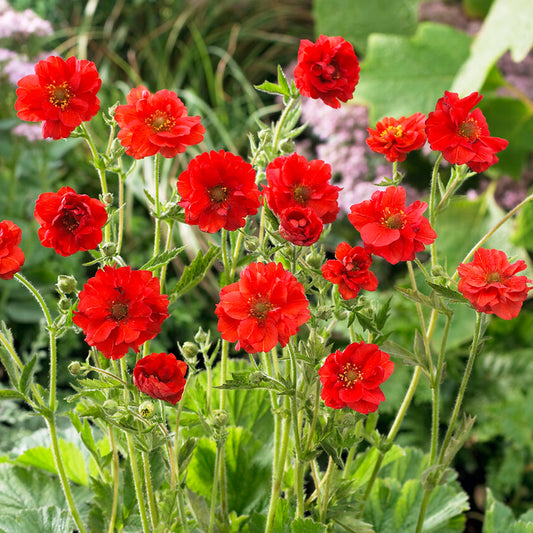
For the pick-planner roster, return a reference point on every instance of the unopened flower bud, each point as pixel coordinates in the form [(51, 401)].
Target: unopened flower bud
[(107, 199), (64, 305), (220, 418), (109, 249), (256, 377), (110, 407), (251, 244), (74, 368), (323, 312), (66, 284), (265, 136), (437, 271), (314, 259), (287, 147), (202, 337), (189, 350), (146, 409)]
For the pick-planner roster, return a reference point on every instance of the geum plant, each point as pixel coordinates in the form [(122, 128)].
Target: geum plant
[(285, 441)]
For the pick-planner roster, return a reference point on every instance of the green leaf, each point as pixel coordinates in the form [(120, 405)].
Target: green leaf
[(307, 525), (355, 20), (27, 375), (401, 76), (162, 259), (498, 517), (6, 358), (447, 292), (8, 394), (508, 26), (195, 272), (524, 228), (271, 88), (44, 520)]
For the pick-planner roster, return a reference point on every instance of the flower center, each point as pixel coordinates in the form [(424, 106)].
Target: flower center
[(393, 220), (493, 277), (59, 95), (395, 131), (69, 222), (301, 194), (350, 375), (119, 311), (160, 121), (218, 193), (259, 308), (469, 129)]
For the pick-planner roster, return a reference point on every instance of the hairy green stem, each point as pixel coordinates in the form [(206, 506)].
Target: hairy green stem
[(116, 481)]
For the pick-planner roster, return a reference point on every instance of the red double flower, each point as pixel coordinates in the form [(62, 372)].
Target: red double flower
[(11, 255), (161, 376), (462, 134), (61, 94), (489, 282), (391, 229), (300, 225), (70, 222), (119, 309), (265, 307), (218, 190), (352, 378), (156, 123), (327, 69)]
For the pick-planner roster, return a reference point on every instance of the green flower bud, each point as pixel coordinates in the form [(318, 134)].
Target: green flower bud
[(189, 350), (287, 147), (146, 409), (64, 305), (265, 135), (314, 259), (109, 249), (437, 271), (202, 337), (66, 284), (251, 244), (220, 418), (107, 199), (74, 368), (110, 407)]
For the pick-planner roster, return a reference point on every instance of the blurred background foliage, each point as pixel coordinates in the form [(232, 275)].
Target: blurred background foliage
[(212, 52)]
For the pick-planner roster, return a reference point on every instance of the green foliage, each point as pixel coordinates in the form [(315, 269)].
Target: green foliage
[(355, 20), (402, 75), (499, 517)]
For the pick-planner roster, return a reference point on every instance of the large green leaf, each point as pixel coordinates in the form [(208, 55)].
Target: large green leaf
[(248, 477), (508, 26), (42, 520), (355, 20), (499, 517), (401, 75)]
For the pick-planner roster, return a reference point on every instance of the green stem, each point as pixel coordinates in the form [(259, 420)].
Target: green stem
[(137, 481), (218, 458), (432, 202), (157, 206), (116, 481), (152, 507), (50, 420), (222, 444), (324, 501)]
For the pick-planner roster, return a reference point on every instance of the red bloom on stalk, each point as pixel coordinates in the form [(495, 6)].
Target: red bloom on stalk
[(218, 190), (395, 138), (327, 69), (11, 256), (61, 94), (300, 225), (390, 229), (119, 309), (350, 270), (156, 123), (161, 376), (462, 135), (295, 182), (265, 307), (70, 222), (352, 378), (491, 285)]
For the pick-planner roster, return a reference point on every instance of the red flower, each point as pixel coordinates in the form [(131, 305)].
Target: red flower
[(218, 190), (156, 123), (300, 225), (395, 138), (11, 256), (462, 135), (61, 93), (351, 378), (390, 229), (295, 182), (119, 309), (70, 222), (327, 69), (161, 376), (264, 308), (490, 284), (350, 270)]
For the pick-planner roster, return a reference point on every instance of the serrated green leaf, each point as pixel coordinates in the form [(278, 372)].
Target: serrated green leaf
[(498, 517), (9, 394), (447, 292), (355, 20), (6, 358), (307, 525), (508, 26), (43, 520), (429, 62), (195, 272), (162, 259), (27, 375), (524, 228), (97, 384), (271, 88)]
